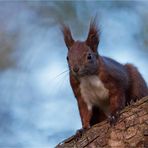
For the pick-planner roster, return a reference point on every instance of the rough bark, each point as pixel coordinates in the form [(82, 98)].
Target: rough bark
[(131, 130)]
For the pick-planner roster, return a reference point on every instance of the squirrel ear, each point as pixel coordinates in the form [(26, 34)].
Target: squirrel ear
[(93, 36), (67, 36)]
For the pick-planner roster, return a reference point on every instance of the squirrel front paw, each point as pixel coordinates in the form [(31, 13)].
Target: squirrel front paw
[(113, 118), (80, 132)]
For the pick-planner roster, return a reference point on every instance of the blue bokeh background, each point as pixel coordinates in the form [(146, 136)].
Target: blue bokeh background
[(37, 106)]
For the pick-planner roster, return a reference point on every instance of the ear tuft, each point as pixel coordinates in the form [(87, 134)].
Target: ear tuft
[(93, 35), (67, 35)]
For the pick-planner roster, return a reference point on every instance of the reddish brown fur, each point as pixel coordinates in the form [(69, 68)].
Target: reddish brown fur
[(124, 82)]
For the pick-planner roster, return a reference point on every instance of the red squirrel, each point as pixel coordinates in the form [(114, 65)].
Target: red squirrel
[(101, 85)]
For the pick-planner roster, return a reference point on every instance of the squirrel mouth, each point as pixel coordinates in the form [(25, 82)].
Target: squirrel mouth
[(85, 73)]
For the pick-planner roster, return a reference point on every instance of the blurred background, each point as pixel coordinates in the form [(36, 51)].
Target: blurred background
[(37, 106)]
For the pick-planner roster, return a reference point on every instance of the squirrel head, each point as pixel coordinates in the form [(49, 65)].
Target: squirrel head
[(82, 57)]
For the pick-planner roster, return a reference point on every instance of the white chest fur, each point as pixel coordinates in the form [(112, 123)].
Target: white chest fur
[(94, 93)]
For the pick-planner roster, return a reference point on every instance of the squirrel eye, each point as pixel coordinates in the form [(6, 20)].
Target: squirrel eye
[(67, 58), (89, 57)]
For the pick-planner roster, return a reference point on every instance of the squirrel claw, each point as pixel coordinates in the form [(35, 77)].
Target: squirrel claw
[(79, 133), (112, 119)]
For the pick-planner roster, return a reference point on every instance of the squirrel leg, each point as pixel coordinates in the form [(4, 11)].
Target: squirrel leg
[(117, 102), (85, 115)]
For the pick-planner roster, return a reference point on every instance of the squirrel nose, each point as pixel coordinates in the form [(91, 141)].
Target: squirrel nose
[(76, 69)]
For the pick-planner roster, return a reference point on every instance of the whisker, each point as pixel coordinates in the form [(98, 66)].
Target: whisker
[(62, 82), (61, 74), (58, 83)]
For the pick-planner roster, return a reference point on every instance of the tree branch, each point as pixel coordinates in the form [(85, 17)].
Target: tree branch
[(130, 131)]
